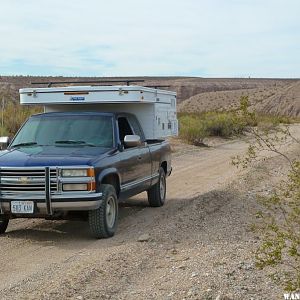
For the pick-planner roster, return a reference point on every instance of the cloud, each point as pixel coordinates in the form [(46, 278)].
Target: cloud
[(101, 38)]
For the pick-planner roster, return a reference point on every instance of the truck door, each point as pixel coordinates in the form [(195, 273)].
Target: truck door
[(136, 161)]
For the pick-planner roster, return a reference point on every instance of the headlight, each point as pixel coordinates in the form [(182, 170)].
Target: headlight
[(74, 173), (77, 172), (75, 187), (81, 179)]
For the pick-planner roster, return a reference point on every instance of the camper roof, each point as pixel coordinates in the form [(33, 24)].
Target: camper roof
[(94, 94)]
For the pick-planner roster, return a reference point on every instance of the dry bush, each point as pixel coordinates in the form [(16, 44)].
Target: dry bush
[(194, 127), (278, 221), (14, 116)]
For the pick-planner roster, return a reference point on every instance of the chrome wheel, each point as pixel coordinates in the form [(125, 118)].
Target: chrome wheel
[(157, 192), (110, 212), (162, 186)]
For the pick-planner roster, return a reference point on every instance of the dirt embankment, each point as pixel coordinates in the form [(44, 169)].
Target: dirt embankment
[(279, 99), (286, 102), (198, 246)]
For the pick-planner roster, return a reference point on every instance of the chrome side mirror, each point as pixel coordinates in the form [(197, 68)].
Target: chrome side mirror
[(4, 142), (132, 141)]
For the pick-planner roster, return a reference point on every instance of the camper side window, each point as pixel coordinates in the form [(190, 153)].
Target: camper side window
[(124, 128)]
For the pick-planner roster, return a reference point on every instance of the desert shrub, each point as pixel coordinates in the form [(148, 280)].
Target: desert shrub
[(192, 130), (279, 227), (279, 218), (14, 116), (194, 127)]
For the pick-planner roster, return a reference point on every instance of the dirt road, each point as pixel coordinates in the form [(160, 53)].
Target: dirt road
[(186, 248)]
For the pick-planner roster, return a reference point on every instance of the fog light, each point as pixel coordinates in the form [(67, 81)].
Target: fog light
[(75, 187)]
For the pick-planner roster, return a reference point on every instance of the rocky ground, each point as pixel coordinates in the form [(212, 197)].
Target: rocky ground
[(198, 246)]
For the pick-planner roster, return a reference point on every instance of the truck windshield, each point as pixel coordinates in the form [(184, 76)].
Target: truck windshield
[(79, 130)]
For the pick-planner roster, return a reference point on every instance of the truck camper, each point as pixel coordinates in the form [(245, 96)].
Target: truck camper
[(92, 146)]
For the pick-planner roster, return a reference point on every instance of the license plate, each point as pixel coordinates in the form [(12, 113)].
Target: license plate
[(22, 207)]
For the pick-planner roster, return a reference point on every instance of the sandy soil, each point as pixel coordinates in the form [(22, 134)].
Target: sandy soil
[(198, 246)]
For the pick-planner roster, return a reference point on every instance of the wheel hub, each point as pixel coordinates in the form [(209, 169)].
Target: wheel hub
[(110, 212), (162, 187)]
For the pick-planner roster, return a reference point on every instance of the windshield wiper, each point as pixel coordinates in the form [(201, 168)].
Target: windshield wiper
[(73, 142), (24, 144)]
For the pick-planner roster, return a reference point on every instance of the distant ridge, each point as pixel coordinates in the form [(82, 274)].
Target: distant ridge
[(279, 96)]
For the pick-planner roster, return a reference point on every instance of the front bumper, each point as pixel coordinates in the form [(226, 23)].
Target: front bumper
[(59, 202)]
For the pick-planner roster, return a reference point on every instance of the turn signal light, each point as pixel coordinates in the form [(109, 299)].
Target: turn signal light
[(91, 172)]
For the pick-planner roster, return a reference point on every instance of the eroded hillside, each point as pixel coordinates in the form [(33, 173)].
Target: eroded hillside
[(195, 94), (279, 99)]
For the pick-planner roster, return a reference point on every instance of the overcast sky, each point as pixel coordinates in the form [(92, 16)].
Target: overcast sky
[(213, 38)]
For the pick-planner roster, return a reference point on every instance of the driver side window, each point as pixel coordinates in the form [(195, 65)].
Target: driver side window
[(124, 128)]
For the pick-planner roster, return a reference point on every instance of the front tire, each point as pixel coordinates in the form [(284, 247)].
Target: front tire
[(103, 221), (3, 223), (157, 193)]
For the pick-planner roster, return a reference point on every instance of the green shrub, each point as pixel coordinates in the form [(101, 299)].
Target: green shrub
[(14, 116), (278, 220), (195, 127)]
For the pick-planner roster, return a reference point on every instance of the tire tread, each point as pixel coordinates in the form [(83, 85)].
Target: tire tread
[(3, 224), (97, 222), (154, 192)]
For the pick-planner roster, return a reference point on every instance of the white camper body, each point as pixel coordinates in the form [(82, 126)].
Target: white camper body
[(154, 108)]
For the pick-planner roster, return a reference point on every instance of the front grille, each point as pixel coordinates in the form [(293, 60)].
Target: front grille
[(26, 180)]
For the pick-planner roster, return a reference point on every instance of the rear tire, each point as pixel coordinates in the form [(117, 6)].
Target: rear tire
[(157, 193), (3, 223), (103, 221)]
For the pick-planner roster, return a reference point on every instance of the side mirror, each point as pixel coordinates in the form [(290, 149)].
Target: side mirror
[(132, 141), (4, 142)]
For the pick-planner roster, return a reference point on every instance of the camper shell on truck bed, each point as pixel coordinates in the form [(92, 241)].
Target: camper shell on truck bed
[(93, 146), (154, 108)]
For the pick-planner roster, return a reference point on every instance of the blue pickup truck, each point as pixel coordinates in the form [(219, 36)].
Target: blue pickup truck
[(62, 164)]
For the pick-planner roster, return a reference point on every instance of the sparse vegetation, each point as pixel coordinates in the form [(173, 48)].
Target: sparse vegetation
[(278, 220), (14, 116), (194, 127)]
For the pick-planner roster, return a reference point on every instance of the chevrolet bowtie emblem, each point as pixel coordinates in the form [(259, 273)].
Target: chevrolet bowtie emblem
[(23, 179)]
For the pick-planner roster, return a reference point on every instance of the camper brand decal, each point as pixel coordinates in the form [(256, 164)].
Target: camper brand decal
[(77, 98)]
